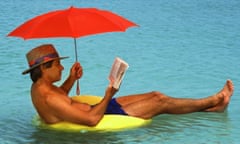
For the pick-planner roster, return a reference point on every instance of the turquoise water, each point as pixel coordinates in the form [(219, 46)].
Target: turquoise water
[(184, 48)]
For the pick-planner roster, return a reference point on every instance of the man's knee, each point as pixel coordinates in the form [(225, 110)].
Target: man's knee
[(158, 96), (156, 93)]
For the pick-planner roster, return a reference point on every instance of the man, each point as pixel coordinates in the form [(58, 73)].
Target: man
[(53, 104)]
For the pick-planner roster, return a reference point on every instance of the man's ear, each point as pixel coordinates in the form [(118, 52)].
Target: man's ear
[(42, 68)]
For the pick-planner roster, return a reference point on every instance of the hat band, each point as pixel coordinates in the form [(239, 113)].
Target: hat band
[(43, 59)]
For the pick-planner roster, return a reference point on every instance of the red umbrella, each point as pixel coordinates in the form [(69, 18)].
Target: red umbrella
[(72, 22)]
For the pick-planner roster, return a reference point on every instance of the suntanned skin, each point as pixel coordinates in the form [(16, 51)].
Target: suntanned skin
[(54, 105)]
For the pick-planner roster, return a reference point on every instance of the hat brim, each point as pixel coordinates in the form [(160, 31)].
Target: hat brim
[(31, 68)]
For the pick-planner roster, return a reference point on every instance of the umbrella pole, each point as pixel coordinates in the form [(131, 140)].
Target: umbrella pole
[(76, 57), (75, 44)]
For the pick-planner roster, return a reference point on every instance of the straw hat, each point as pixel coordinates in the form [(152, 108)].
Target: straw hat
[(41, 55)]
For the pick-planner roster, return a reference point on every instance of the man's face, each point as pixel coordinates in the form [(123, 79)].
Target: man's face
[(55, 72)]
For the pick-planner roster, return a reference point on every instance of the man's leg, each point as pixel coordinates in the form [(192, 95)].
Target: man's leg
[(154, 103)]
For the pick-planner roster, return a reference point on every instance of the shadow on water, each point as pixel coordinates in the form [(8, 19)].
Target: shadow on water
[(44, 136)]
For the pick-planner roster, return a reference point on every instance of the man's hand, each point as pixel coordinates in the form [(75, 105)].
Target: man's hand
[(110, 91), (76, 71)]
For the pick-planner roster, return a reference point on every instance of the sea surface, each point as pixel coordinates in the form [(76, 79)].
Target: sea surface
[(183, 48)]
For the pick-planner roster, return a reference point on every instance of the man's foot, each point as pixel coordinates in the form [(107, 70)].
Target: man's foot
[(226, 92)]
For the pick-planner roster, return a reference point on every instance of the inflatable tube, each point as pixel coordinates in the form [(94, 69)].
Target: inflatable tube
[(108, 123)]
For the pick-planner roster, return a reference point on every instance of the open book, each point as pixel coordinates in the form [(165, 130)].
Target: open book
[(117, 72)]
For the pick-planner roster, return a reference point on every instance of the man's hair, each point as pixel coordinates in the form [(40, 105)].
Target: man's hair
[(36, 73)]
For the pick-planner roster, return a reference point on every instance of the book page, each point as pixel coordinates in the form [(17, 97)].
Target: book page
[(117, 72)]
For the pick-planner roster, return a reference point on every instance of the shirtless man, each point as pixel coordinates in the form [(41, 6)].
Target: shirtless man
[(54, 105)]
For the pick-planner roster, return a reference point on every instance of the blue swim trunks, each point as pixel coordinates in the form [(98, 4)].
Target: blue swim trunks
[(115, 108)]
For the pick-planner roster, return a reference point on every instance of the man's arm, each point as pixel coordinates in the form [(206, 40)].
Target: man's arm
[(76, 73), (64, 108)]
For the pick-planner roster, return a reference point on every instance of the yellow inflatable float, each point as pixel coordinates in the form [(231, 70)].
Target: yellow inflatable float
[(109, 122)]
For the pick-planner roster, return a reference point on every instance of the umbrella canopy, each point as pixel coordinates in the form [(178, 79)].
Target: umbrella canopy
[(72, 22)]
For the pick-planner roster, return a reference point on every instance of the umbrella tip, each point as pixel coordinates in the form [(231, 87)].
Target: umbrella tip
[(71, 7)]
